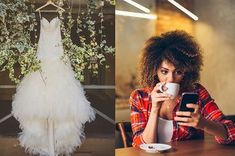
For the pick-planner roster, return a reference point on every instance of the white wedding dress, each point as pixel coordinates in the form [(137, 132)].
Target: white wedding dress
[(52, 94)]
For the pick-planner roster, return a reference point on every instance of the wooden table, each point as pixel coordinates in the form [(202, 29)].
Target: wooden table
[(206, 147)]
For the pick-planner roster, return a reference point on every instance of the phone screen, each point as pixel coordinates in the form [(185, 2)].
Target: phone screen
[(187, 98)]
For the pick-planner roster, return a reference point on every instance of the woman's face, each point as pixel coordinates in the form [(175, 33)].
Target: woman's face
[(168, 73)]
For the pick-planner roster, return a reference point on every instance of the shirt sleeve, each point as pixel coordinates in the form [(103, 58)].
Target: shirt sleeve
[(138, 119), (211, 112)]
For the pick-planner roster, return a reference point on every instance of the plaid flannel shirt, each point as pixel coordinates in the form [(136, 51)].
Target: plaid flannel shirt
[(140, 105)]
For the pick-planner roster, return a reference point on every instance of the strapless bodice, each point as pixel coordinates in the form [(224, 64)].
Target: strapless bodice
[(50, 26), (50, 44)]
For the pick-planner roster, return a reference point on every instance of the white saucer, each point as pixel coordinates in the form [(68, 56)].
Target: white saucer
[(154, 148)]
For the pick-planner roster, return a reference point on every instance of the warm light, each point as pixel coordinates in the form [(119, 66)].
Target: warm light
[(134, 14), (183, 9), (138, 6)]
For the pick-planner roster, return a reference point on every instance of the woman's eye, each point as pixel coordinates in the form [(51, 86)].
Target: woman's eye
[(179, 72), (164, 72)]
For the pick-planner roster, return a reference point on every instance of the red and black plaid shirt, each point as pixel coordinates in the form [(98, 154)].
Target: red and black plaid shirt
[(140, 105)]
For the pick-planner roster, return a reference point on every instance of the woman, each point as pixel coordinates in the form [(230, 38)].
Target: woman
[(174, 57)]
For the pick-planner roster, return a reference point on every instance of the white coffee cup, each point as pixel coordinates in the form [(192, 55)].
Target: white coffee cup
[(170, 88)]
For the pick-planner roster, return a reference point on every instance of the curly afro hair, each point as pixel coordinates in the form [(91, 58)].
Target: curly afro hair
[(176, 47)]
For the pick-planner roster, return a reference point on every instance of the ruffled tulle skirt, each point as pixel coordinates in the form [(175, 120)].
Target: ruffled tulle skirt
[(52, 94)]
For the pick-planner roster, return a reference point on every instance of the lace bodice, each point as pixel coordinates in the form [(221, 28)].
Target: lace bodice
[(50, 45)]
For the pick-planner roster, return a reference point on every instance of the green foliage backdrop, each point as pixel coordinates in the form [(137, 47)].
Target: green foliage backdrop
[(18, 23)]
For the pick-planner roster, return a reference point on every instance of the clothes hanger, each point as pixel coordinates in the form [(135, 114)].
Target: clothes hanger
[(49, 2)]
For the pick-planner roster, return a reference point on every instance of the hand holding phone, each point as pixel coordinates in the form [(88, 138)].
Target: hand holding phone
[(183, 115), (188, 97)]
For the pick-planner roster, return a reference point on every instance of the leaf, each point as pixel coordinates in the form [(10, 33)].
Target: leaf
[(20, 47)]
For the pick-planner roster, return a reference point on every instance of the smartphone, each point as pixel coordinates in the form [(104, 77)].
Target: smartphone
[(188, 97)]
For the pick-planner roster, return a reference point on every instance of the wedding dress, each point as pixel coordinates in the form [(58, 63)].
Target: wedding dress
[(51, 94)]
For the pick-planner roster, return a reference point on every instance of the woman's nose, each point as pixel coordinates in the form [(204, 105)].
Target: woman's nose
[(170, 77)]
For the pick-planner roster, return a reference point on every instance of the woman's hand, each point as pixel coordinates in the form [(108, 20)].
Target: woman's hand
[(157, 96), (191, 119)]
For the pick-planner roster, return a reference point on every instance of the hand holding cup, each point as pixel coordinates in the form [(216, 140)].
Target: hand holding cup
[(170, 88), (158, 96)]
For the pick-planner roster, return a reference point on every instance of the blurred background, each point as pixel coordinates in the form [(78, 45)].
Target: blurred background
[(214, 31)]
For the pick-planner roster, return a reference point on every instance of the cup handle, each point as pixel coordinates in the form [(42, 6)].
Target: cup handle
[(161, 88)]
